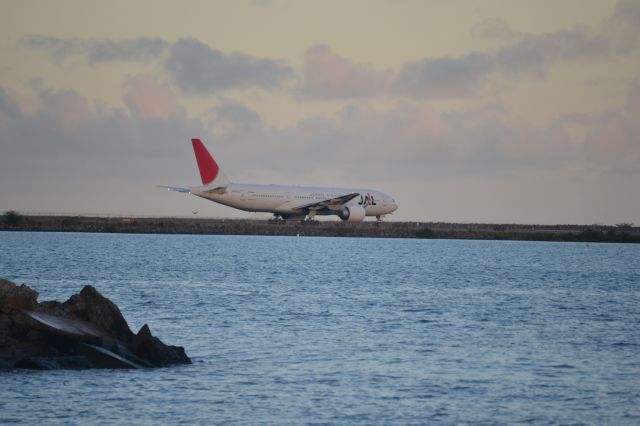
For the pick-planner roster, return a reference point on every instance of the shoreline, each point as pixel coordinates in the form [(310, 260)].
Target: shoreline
[(423, 230)]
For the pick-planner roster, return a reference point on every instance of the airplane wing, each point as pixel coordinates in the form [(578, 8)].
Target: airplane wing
[(174, 188), (319, 205)]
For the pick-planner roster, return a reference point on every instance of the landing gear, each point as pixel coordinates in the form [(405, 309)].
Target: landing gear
[(277, 217), (310, 216)]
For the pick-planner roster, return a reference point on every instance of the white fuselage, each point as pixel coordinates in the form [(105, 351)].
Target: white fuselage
[(288, 200), (284, 201)]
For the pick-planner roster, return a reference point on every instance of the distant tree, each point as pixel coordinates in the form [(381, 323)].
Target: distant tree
[(12, 218), (425, 233), (590, 234), (624, 225)]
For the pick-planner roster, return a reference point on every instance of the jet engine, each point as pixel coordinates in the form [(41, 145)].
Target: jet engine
[(352, 213)]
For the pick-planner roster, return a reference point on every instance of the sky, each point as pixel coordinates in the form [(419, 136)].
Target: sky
[(493, 111)]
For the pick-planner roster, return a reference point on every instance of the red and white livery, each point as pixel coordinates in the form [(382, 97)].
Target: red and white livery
[(285, 201)]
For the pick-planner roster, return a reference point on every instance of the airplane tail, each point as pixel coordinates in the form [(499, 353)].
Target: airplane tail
[(210, 173)]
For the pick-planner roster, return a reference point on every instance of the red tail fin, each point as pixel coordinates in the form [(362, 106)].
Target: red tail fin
[(206, 164)]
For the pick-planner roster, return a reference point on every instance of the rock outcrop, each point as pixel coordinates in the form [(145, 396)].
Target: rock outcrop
[(86, 331)]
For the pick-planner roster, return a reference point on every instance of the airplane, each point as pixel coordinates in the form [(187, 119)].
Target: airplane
[(285, 201)]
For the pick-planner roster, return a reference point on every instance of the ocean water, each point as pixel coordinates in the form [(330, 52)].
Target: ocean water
[(343, 331)]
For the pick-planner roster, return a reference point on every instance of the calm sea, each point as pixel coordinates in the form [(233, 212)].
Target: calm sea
[(343, 331)]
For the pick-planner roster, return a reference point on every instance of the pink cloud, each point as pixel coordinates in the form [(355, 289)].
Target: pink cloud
[(147, 98), (27, 102), (329, 75)]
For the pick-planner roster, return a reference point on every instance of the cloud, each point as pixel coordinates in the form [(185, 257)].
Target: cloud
[(232, 119), (539, 51), (9, 109), (193, 66), (623, 28), (613, 139), (412, 139), (443, 77), (65, 110), (198, 69), (633, 98), (76, 149), (494, 29), (73, 155), (98, 50), (66, 128), (147, 98), (327, 75), (461, 76), (235, 112), (415, 141)]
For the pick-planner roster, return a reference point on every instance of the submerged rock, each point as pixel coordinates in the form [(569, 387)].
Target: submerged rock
[(86, 331)]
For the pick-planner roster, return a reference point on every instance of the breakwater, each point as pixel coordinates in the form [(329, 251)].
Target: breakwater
[(168, 225)]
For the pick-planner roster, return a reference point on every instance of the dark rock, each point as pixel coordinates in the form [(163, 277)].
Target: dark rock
[(69, 328), (92, 306), (7, 362), (86, 331), (125, 351), (35, 335), (58, 309), (145, 346), (16, 349), (104, 358), (54, 363), (5, 329), (14, 298)]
